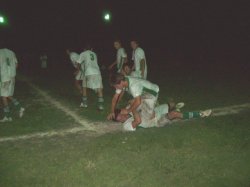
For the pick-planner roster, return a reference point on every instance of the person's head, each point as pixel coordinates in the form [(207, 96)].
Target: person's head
[(67, 51), (120, 117), (126, 69), (134, 44), (118, 81), (117, 44)]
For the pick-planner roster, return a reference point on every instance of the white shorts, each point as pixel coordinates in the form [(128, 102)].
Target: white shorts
[(7, 88), (146, 109), (79, 76), (92, 81)]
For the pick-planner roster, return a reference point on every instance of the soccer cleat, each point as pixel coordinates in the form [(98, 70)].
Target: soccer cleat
[(83, 105), (21, 112), (178, 106), (205, 113), (6, 119)]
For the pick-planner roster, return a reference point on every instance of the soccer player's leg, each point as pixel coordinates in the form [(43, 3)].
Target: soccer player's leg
[(188, 115), (100, 92), (5, 89), (84, 102)]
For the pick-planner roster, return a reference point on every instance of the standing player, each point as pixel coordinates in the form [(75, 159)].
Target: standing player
[(140, 65), (79, 71), (121, 56), (8, 64), (145, 96), (92, 76)]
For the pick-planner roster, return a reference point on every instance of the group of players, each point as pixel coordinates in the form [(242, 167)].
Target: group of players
[(143, 110)]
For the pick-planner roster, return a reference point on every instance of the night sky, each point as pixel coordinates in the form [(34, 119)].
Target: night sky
[(178, 28)]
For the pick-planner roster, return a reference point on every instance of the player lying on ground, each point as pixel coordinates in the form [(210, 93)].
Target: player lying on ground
[(8, 65), (163, 114), (121, 57), (78, 71), (92, 76), (145, 96)]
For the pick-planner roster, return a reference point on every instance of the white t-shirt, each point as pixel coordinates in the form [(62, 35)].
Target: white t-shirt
[(136, 87), (121, 54), (138, 55), (8, 62), (89, 60)]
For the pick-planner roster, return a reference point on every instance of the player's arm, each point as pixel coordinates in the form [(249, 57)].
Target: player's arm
[(112, 65), (142, 66), (115, 100), (134, 105)]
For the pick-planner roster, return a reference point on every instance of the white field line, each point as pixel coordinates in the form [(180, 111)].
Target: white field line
[(83, 122), (101, 127)]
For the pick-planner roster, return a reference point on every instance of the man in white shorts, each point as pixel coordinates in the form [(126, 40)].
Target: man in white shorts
[(92, 76), (144, 93), (8, 64), (121, 56), (162, 116), (139, 58), (79, 76)]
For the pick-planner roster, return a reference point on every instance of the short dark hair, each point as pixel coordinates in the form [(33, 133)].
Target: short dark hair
[(116, 78)]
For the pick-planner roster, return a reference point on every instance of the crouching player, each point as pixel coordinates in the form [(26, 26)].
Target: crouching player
[(92, 76), (8, 64), (78, 71), (144, 93), (163, 115)]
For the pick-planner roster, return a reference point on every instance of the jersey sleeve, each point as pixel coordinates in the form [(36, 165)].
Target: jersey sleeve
[(81, 59), (141, 54), (123, 53)]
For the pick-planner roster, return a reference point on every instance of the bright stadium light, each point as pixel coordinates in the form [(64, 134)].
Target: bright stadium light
[(107, 16), (2, 19)]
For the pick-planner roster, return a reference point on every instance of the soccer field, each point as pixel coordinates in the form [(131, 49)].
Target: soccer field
[(58, 144)]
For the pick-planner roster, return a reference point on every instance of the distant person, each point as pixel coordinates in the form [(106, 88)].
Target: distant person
[(139, 59), (8, 65), (79, 71), (92, 76), (121, 57), (44, 61)]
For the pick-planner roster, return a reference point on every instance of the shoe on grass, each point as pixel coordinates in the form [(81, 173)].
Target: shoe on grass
[(205, 113)]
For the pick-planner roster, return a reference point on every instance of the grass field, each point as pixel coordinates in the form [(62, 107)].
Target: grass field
[(206, 152)]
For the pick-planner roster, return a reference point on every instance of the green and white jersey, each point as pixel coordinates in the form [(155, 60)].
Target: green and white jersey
[(89, 60), (137, 87), (138, 55), (8, 62), (120, 55), (73, 58)]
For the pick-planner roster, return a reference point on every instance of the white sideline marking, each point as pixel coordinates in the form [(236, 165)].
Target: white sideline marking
[(83, 122), (99, 128)]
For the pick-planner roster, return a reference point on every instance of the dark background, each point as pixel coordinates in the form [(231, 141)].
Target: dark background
[(183, 33)]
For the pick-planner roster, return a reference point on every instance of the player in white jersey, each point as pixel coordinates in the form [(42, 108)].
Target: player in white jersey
[(139, 58), (145, 96), (8, 64), (162, 116), (92, 76), (79, 71), (121, 56)]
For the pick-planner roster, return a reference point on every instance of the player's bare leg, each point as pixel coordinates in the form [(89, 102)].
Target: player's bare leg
[(78, 85), (100, 99), (84, 103), (6, 110)]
